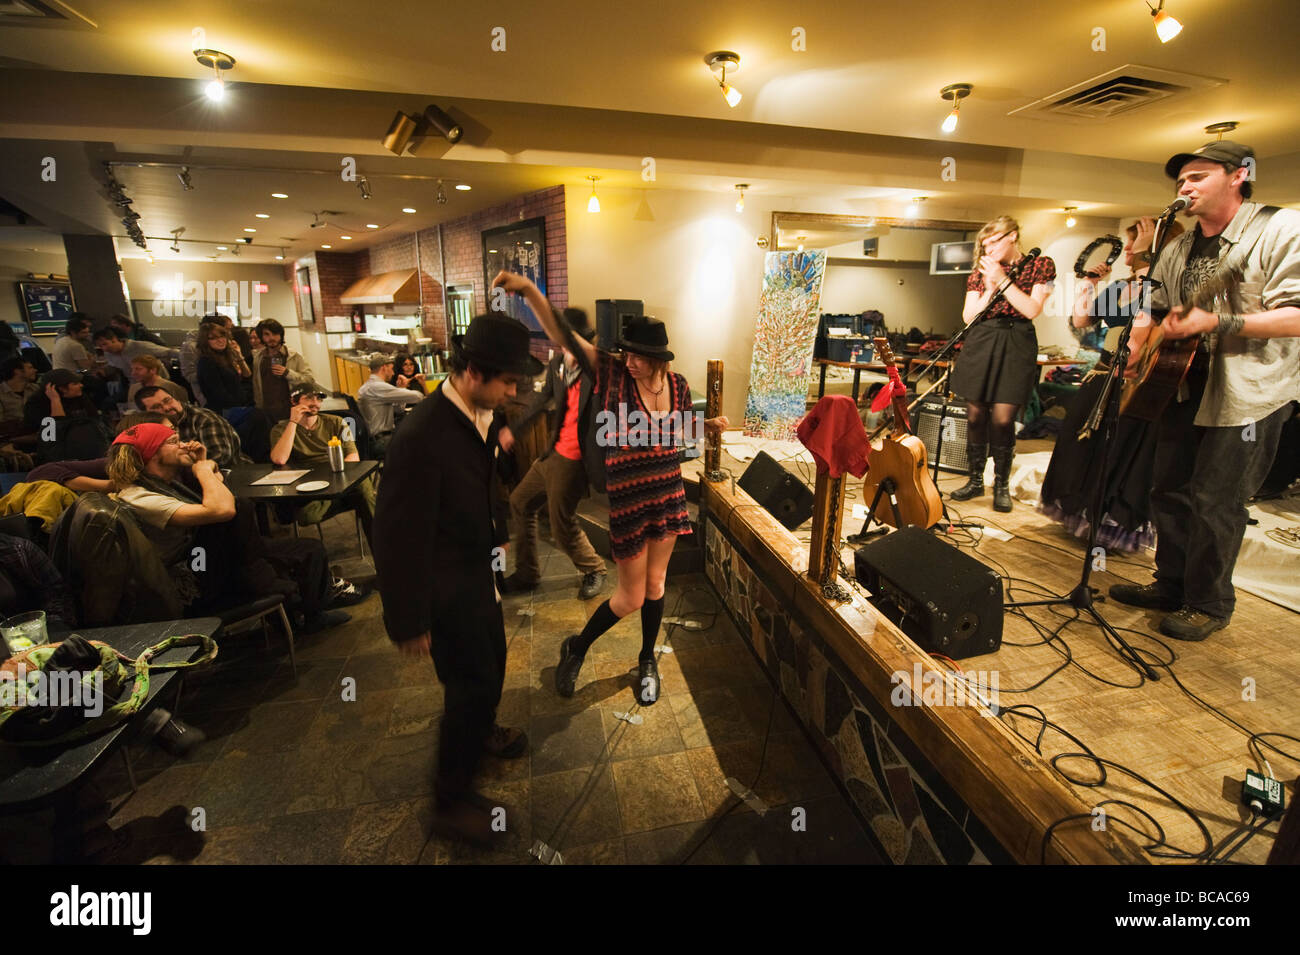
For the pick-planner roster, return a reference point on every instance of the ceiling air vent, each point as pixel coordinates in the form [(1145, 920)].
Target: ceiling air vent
[(1111, 94), (42, 13)]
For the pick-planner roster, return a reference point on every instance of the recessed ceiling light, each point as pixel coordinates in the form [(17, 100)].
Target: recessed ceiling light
[(408, 210), (221, 248), (371, 225), (250, 230), (464, 187), (345, 237), (260, 215), (279, 195), (327, 246)]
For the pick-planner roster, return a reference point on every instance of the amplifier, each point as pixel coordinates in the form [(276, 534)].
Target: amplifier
[(782, 494), (954, 435), (945, 600)]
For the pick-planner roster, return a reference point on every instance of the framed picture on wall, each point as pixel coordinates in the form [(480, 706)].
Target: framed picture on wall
[(302, 285), (46, 305), (520, 248)]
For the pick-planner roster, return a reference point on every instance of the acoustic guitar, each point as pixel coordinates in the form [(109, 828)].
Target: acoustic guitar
[(1163, 362), (900, 458)]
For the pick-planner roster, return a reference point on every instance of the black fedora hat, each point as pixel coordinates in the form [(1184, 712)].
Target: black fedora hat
[(496, 340), (580, 323), (646, 336)]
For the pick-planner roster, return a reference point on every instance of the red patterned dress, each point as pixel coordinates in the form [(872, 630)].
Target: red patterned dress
[(647, 500)]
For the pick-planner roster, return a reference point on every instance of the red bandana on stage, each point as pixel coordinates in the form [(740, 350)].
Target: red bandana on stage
[(833, 432), (894, 389)]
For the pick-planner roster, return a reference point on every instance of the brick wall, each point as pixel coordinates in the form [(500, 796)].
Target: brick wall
[(331, 274), (463, 252)]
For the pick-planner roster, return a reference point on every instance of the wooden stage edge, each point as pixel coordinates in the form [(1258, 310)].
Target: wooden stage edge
[(816, 651)]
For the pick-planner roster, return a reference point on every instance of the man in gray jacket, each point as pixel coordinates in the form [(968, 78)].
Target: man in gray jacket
[(276, 370)]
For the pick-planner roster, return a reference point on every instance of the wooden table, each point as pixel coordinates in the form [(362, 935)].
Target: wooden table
[(31, 776), (857, 366)]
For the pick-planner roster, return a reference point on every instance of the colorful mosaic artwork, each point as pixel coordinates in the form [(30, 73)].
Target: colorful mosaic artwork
[(783, 343)]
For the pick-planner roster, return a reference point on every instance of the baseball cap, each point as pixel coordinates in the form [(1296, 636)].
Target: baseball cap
[(62, 376), (307, 388), (379, 360), (1223, 150)]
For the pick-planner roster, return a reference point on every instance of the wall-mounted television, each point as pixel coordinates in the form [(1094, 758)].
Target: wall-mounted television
[(952, 258)]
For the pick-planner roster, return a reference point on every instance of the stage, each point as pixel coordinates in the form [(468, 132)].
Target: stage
[(953, 783)]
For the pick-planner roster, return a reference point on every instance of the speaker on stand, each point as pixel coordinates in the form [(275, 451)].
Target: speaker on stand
[(612, 314)]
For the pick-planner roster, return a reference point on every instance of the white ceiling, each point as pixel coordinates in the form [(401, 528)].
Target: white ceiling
[(586, 88)]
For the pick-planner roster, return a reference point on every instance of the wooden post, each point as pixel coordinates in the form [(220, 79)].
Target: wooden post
[(824, 553), (713, 408)]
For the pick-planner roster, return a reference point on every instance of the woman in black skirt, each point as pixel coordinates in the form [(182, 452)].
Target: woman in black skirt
[(1076, 466), (998, 365)]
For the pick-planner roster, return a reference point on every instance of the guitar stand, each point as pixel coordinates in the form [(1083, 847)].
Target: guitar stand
[(887, 486)]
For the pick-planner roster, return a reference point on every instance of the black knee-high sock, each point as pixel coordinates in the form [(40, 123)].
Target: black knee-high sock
[(600, 621), (652, 614)]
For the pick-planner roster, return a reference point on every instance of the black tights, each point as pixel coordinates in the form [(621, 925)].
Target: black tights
[(1000, 432)]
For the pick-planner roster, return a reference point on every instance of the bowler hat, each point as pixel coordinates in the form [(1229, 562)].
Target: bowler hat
[(646, 336), (496, 340), (1223, 150)]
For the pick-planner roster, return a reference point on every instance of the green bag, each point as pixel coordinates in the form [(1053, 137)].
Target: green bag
[(58, 693)]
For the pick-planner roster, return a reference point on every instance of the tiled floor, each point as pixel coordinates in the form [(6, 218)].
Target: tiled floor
[(294, 773)]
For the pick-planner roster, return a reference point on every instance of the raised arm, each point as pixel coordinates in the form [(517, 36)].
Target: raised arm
[(557, 330)]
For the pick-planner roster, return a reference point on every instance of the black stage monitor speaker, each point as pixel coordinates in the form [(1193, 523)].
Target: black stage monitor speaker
[(954, 437), (782, 494), (946, 601), (611, 315)]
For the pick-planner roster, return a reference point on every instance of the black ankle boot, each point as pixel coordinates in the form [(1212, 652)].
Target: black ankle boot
[(976, 455), (1002, 478)]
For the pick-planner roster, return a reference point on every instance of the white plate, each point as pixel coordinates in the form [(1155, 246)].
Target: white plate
[(313, 486)]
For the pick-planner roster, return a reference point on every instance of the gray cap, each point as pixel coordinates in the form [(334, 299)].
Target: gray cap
[(1223, 150), (379, 360)]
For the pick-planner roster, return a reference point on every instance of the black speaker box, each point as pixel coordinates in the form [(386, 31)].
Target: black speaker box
[(782, 494), (946, 601), (611, 315), (954, 438)]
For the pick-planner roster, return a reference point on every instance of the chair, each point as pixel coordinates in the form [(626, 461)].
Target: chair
[(116, 576)]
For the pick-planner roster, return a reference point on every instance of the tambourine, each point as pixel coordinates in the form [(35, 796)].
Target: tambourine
[(1081, 263)]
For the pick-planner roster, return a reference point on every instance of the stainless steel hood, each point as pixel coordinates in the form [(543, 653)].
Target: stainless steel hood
[(387, 288)]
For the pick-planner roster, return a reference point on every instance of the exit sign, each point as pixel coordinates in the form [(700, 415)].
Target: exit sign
[(261, 288)]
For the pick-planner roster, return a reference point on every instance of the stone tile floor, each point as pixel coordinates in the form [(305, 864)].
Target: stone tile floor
[(294, 773)]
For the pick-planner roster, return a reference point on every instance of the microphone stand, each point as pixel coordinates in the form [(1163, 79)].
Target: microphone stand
[(1106, 411)]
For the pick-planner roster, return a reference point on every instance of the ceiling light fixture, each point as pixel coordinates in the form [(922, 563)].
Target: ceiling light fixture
[(279, 195), (442, 194), (400, 133), (409, 211), (219, 63), (250, 230), (593, 204), (364, 185), (371, 225), (740, 200), (149, 256), (1070, 220), (442, 124), (280, 257), (719, 63), (176, 238), (1220, 128), (184, 177), (914, 208), (463, 187), (956, 92), (1166, 26), (235, 250), (260, 215), (327, 246), (345, 237), (221, 248)]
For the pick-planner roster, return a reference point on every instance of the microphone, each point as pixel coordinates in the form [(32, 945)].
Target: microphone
[(1178, 205)]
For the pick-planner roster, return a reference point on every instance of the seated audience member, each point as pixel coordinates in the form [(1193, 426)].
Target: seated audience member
[(407, 374), (30, 581), (302, 440), (146, 371), (378, 399), (79, 476), (17, 385), (223, 376), (276, 370), (146, 464), (70, 352), (119, 350), (67, 423), (193, 423), (135, 330)]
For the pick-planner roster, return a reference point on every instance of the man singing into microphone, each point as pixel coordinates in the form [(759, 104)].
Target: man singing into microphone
[(1217, 442)]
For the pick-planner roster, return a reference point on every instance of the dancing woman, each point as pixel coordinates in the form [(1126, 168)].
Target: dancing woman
[(647, 500), (998, 365)]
